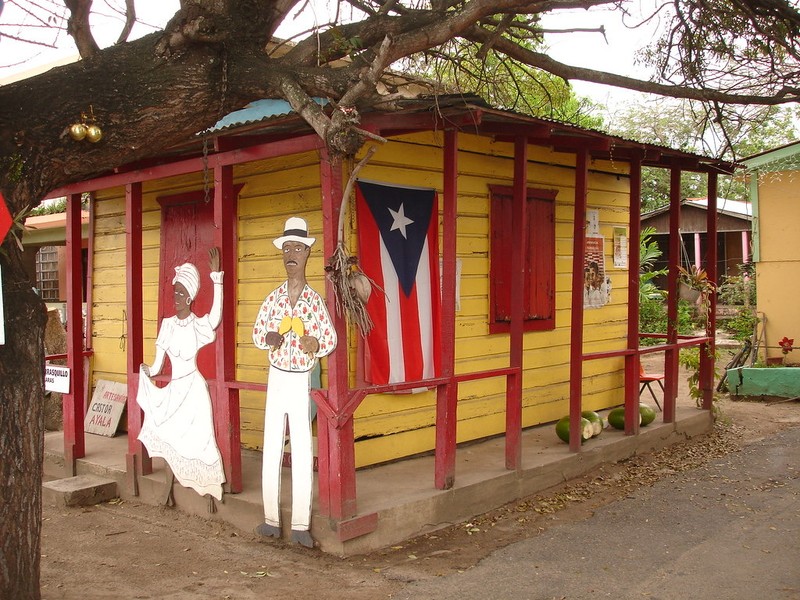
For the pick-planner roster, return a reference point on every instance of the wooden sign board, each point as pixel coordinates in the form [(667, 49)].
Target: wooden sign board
[(56, 379), (106, 407)]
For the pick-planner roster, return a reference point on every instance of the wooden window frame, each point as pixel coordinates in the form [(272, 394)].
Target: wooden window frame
[(540, 266)]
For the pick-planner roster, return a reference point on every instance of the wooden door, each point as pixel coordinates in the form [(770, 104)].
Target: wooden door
[(187, 233)]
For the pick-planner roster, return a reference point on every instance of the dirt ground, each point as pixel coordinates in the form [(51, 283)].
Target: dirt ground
[(127, 550)]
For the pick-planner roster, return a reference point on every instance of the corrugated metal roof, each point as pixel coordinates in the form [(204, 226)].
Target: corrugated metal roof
[(724, 205), (734, 208), (257, 111)]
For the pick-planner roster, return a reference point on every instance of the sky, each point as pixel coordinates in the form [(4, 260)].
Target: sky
[(614, 53)]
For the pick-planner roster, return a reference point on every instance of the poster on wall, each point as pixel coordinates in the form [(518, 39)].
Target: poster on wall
[(596, 283), (620, 248)]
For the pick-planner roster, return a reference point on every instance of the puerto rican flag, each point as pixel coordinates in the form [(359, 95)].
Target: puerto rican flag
[(399, 251)]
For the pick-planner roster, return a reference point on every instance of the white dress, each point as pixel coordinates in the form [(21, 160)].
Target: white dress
[(178, 419)]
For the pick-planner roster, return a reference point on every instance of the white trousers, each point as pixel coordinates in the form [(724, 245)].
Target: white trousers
[(288, 399)]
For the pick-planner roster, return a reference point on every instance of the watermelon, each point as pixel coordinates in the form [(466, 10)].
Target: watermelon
[(596, 421), (647, 413), (562, 429), (616, 418)]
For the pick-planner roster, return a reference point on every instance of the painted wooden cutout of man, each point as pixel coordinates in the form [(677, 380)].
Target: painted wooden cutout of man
[(178, 419), (294, 325)]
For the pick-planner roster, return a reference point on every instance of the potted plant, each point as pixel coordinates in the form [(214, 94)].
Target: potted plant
[(695, 286)]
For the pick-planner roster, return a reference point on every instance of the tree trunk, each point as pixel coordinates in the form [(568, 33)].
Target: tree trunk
[(21, 431)]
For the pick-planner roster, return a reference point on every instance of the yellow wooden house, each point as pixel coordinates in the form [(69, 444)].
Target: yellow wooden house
[(534, 272)]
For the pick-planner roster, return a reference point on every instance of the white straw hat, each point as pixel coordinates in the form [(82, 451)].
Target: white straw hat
[(295, 230)]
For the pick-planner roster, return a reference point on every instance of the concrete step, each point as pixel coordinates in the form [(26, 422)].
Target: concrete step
[(81, 490)]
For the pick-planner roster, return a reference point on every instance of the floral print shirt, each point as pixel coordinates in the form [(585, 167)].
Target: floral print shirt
[(311, 310)]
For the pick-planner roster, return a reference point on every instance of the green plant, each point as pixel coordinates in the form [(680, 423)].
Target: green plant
[(739, 289), (17, 229), (697, 279), (689, 358), (51, 208), (653, 318), (648, 253), (742, 325)]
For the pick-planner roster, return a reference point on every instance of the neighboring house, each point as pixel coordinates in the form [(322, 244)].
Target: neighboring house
[(734, 219), (526, 213), (46, 259), (774, 178)]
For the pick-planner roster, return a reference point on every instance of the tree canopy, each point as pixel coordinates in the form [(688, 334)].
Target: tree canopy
[(215, 56), (723, 54), (685, 125)]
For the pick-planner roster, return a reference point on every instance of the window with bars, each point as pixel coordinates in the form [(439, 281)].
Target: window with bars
[(47, 273)]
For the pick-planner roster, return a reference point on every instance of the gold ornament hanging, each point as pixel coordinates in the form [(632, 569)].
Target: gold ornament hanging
[(87, 128), (77, 131), (94, 133)]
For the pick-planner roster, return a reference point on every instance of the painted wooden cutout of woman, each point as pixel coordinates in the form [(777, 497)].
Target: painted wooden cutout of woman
[(178, 419)]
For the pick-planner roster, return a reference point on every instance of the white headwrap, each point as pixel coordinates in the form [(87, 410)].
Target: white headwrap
[(187, 275)]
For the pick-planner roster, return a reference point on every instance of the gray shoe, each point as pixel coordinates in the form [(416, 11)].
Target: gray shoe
[(267, 530), (302, 537)]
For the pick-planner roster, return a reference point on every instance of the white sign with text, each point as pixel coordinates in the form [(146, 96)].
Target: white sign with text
[(56, 379)]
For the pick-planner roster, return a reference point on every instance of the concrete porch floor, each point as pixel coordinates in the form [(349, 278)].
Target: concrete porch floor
[(400, 496)]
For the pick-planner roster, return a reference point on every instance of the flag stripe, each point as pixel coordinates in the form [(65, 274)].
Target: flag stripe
[(394, 315), (377, 350)]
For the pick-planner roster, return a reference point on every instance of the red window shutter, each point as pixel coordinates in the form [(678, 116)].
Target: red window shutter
[(541, 258), (500, 263), (539, 285)]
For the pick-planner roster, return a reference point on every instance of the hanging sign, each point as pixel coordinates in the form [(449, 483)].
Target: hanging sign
[(56, 379), (620, 247)]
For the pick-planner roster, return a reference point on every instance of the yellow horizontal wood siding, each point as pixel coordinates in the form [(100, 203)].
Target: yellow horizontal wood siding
[(389, 426)]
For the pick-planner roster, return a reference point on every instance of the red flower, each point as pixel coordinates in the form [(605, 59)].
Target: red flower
[(786, 344)]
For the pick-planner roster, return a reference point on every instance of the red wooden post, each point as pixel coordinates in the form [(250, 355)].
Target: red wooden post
[(336, 448), (576, 338), (89, 273), (519, 232), (447, 394), (137, 460), (226, 398), (708, 351), (73, 403), (671, 356), (632, 360)]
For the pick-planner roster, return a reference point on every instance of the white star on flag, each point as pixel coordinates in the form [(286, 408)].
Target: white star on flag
[(400, 220)]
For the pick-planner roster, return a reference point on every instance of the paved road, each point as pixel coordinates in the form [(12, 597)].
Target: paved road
[(730, 530)]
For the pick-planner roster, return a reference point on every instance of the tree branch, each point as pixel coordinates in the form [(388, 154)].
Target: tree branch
[(130, 19), (78, 27), (568, 72)]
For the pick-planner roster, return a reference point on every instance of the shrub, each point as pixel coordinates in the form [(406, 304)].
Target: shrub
[(735, 289), (690, 359), (653, 318), (742, 325)]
